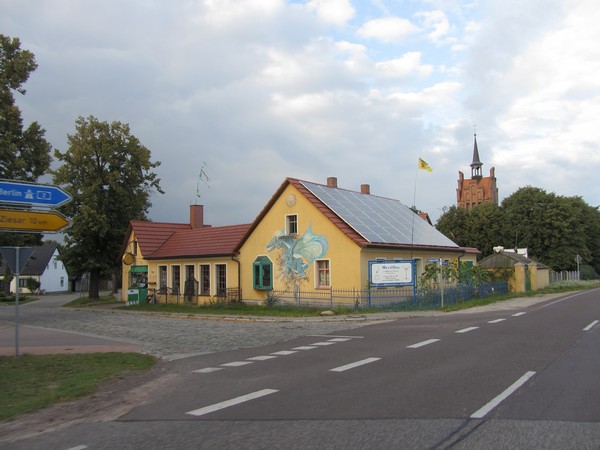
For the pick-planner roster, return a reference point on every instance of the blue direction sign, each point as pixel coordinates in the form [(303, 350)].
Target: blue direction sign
[(22, 193)]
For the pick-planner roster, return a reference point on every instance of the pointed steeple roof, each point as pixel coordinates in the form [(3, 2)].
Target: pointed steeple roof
[(476, 164)]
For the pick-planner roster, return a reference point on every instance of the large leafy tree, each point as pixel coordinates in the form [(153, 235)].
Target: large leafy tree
[(478, 227), (110, 176), (24, 153)]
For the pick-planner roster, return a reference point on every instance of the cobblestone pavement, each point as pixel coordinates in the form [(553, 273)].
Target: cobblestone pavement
[(170, 336)]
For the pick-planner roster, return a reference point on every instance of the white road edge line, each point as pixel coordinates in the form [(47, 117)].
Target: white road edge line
[(466, 330), (591, 325), (354, 364), (482, 412), (231, 402), (421, 344)]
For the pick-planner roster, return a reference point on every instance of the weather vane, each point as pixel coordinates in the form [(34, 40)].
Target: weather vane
[(202, 177)]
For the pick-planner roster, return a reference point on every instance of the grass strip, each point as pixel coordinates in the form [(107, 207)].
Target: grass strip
[(32, 382)]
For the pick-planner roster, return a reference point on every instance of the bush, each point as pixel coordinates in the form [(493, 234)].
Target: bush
[(271, 300)]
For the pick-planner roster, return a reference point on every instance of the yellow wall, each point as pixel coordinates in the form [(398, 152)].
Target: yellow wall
[(343, 254), (153, 272)]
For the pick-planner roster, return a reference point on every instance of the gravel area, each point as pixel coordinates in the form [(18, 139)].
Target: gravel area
[(171, 336)]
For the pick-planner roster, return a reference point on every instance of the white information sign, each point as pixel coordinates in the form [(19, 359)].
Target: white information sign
[(391, 272)]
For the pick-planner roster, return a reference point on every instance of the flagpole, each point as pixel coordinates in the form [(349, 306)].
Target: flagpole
[(412, 230)]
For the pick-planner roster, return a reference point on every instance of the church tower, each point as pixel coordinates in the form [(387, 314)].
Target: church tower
[(478, 189)]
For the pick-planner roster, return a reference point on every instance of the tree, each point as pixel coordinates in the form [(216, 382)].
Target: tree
[(478, 227), (24, 154), (109, 174), (554, 229)]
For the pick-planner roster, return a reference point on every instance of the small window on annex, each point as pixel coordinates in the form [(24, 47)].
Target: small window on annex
[(204, 279), (263, 273)]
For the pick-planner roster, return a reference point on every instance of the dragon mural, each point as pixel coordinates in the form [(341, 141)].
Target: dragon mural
[(298, 253)]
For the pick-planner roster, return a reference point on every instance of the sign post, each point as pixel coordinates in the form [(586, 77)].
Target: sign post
[(25, 195), (16, 258)]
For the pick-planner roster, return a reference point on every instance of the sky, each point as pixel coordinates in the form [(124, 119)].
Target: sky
[(253, 91)]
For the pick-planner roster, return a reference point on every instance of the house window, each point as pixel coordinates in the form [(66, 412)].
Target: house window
[(22, 282), (221, 279), (191, 287), (134, 247), (291, 224), (204, 279), (323, 274), (162, 279), (263, 273), (55, 264), (176, 279), (62, 281)]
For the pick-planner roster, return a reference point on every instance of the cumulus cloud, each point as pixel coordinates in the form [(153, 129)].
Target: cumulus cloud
[(337, 12), (387, 29), (435, 21), (409, 63)]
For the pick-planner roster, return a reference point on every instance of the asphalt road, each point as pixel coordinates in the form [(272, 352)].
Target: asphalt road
[(502, 378)]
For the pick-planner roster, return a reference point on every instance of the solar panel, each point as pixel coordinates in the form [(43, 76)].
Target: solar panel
[(377, 219)]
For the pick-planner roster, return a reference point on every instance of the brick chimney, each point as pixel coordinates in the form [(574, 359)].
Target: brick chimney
[(332, 182), (197, 216), (365, 189)]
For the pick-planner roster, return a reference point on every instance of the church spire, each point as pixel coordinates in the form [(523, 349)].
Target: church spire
[(476, 164)]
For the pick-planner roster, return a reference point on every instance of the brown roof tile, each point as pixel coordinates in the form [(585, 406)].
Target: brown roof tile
[(202, 242), (151, 235)]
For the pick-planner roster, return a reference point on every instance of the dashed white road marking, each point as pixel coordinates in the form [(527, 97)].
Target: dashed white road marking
[(340, 339), (362, 362), (591, 325), (323, 343), (482, 412), (236, 363), (207, 370), (261, 358), (519, 314), (284, 352), (496, 320), (423, 343), (78, 447), (231, 402), (304, 347), (466, 330)]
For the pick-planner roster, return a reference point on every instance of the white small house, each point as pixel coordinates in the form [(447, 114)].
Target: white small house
[(44, 267)]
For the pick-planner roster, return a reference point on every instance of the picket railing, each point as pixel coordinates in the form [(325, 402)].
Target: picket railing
[(402, 298)]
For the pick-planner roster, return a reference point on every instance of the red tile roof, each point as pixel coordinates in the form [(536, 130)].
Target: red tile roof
[(173, 240)]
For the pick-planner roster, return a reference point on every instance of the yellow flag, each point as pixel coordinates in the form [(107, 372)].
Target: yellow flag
[(424, 166)]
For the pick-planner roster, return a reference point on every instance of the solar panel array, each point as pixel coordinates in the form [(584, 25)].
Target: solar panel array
[(379, 220)]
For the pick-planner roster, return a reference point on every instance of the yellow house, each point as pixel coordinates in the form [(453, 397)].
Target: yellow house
[(176, 263), (312, 237), (308, 237)]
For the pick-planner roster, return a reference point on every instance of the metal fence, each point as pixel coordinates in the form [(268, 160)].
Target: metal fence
[(565, 275), (402, 298), (189, 296)]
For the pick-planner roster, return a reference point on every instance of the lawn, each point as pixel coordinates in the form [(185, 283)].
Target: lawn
[(32, 382)]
